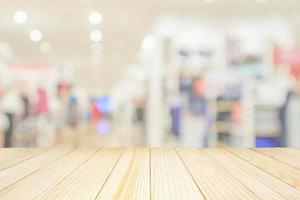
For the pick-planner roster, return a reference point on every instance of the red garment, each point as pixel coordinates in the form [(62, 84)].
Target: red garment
[(95, 113), (198, 87), (42, 103), (237, 113), (289, 57)]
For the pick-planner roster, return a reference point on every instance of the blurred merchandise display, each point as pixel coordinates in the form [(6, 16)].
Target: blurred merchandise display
[(239, 97), (37, 108), (196, 79)]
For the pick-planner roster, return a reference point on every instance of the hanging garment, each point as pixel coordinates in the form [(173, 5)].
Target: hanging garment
[(175, 116), (42, 104), (9, 131)]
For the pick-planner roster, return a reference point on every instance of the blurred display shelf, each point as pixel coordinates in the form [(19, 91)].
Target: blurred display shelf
[(223, 127), (225, 106), (267, 133), (222, 144)]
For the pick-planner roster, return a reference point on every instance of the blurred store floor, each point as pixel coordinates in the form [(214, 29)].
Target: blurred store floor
[(88, 137)]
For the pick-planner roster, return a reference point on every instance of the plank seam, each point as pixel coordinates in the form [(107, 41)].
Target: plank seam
[(113, 168), (34, 155), (34, 171), (125, 176), (229, 174), (190, 173), (275, 159), (50, 187), (261, 170)]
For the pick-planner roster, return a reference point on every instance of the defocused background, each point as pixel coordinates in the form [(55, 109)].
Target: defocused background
[(187, 73)]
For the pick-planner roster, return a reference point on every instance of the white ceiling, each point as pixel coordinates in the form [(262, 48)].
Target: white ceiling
[(65, 24)]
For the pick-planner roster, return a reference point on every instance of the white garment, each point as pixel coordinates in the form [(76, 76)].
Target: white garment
[(4, 123), (192, 132), (11, 102)]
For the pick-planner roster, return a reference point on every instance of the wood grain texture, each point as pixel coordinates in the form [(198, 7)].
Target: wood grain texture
[(14, 173), (259, 182), (130, 178), (169, 177), (213, 179), (289, 156), (86, 180), (276, 168), (13, 156), (149, 173), (135, 182), (32, 186), (118, 177)]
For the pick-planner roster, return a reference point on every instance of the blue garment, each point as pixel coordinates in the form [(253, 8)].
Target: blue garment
[(176, 119)]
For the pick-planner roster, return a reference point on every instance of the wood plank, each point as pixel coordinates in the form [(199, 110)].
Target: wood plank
[(16, 172), (212, 179), (118, 176), (86, 181), (5, 151), (13, 157), (32, 186), (169, 177), (131, 177), (259, 182), (163, 173), (290, 156), (276, 168)]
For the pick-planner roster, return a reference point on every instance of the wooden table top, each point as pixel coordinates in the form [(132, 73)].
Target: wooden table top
[(143, 173)]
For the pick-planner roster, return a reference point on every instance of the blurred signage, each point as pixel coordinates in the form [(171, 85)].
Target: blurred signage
[(31, 66)]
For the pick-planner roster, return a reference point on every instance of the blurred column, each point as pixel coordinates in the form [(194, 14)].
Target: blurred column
[(220, 58), (248, 116), (154, 108)]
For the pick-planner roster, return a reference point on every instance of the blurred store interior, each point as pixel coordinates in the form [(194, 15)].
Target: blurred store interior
[(133, 73)]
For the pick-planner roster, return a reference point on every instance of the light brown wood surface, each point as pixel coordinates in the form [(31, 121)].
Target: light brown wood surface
[(150, 173)]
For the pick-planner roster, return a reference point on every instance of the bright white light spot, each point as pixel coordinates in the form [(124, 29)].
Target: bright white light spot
[(209, 1), (96, 36), (148, 42), (95, 18), (260, 1), (46, 47), (35, 35), (20, 17)]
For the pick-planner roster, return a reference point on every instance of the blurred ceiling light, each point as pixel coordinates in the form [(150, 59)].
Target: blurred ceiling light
[(209, 1), (35, 35), (46, 47), (260, 1), (96, 36), (20, 17), (95, 18)]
